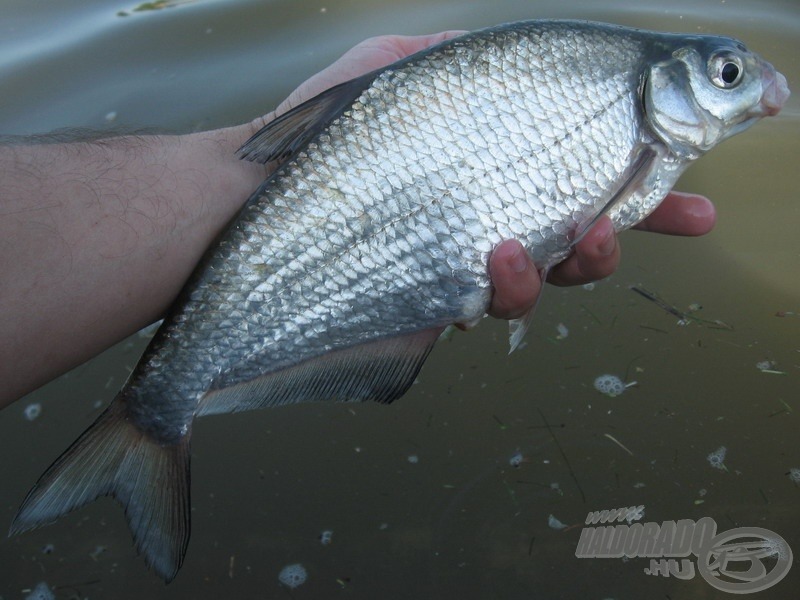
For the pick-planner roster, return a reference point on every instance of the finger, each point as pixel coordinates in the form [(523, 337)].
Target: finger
[(408, 44), (515, 280), (681, 214), (596, 256)]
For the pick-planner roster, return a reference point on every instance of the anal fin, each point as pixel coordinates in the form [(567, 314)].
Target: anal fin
[(380, 371)]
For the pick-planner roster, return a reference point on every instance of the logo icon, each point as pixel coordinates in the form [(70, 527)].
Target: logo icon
[(743, 560), (737, 560)]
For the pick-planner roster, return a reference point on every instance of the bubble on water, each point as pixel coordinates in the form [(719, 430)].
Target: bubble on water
[(588, 286), (293, 576), (41, 592), (776, 547), (516, 460), (48, 549), (610, 385), (413, 459), (717, 458), (554, 523), (32, 411), (111, 116), (794, 475), (326, 537), (563, 331)]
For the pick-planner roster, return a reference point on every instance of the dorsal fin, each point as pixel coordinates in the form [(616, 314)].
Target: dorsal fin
[(284, 137)]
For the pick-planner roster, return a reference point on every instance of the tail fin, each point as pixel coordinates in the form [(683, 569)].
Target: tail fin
[(113, 458)]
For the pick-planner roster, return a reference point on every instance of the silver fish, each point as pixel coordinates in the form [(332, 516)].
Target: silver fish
[(375, 232)]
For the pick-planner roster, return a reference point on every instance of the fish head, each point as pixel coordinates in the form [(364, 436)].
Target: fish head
[(708, 89)]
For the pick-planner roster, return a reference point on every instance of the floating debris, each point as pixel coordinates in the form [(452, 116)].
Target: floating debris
[(768, 366), (563, 332), (413, 459), (588, 286), (293, 576), (41, 592), (48, 549), (32, 411), (717, 458), (326, 537), (683, 317), (610, 385), (111, 116), (617, 442), (516, 460), (794, 475), (554, 523)]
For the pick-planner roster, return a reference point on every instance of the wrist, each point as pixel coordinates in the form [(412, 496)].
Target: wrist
[(230, 180)]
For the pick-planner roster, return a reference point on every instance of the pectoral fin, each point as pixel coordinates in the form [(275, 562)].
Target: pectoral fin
[(638, 171)]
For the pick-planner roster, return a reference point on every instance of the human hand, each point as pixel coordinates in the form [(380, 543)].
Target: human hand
[(514, 277), (516, 281)]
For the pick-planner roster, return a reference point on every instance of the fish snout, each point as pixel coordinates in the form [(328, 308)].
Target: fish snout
[(776, 91)]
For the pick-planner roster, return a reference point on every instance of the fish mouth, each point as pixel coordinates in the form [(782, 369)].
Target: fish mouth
[(776, 91)]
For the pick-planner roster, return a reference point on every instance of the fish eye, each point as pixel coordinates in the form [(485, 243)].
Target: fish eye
[(725, 70)]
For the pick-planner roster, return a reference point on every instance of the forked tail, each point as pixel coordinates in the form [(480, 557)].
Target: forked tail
[(113, 458)]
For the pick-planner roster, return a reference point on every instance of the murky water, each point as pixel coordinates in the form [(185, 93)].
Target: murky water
[(420, 496)]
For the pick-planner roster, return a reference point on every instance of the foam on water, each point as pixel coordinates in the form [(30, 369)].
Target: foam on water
[(293, 576)]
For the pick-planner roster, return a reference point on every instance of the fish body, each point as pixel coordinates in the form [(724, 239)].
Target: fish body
[(375, 231)]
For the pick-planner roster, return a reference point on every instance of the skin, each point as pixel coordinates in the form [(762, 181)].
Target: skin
[(98, 237)]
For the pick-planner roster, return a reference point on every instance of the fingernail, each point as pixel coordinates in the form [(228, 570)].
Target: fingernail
[(518, 261), (609, 243)]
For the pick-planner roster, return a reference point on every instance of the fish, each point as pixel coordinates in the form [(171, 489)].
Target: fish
[(373, 233)]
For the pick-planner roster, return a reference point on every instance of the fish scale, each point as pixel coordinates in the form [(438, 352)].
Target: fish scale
[(332, 170), (375, 231)]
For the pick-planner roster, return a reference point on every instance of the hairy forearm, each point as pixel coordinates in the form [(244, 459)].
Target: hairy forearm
[(97, 239)]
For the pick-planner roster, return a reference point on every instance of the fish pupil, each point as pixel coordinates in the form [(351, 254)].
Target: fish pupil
[(730, 73)]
